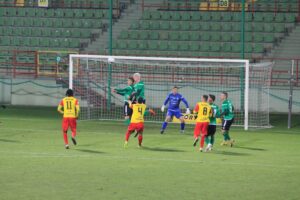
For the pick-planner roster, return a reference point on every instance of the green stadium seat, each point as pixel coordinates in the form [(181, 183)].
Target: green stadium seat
[(154, 25), (280, 18), (21, 12), (99, 14), (59, 13), (226, 37), (226, 27), (175, 16), (90, 24), (34, 42), (184, 36), (205, 16), (216, 27), (36, 32), (205, 36), (215, 37), (195, 26), (248, 17), (258, 38), (174, 36), (50, 13), (154, 36), (68, 13), (258, 17), (173, 46), (166, 15), (236, 17), (76, 33), (258, 48), (30, 12), (185, 16), (279, 27), (205, 26), (89, 14), (153, 45), (248, 37), (146, 15), (132, 45), (268, 27), (155, 15), (145, 25), (248, 27), (183, 46), (165, 25), (268, 17), (78, 13), (133, 35), (258, 27), (204, 47), (46, 32), (248, 48), (135, 26), (65, 43), (215, 47), (57, 33), (226, 47), (163, 45), (44, 42), (226, 17), (290, 18), (85, 33), (194, 47), (236, 37), (195, 16), (269, 38), (122, 44), (143, 45), (185, 26), (124, 35), (216, 17), (235, 47)]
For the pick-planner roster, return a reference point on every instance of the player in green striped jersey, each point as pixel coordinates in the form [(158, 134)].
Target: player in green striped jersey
[(126, 92), (228, 118), (212, 127)]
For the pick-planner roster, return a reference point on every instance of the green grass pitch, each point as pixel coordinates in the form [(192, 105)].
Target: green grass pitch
[(264, 164)]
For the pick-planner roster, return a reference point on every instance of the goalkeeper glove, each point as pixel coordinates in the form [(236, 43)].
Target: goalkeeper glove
[(162, 108), (188, 111)]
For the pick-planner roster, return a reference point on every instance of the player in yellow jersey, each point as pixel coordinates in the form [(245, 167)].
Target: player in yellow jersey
[(69, 107), (137, 121), (204, 112)]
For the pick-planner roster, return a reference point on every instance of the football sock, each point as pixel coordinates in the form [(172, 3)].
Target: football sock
[(164, 125), (73, 134), (127, 136), (226, 136), (182, 125), (65, 138), (207, 139), (127, 122), (202, 141), (140, 138), (212, 140)]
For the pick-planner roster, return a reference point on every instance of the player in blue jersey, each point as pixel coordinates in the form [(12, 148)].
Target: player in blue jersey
[(174, 100)]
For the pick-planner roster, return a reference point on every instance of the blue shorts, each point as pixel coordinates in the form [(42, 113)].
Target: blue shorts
[(176, 113)]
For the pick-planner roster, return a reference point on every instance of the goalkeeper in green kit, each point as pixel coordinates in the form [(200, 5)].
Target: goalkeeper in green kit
[(139, 88), (228, 118)]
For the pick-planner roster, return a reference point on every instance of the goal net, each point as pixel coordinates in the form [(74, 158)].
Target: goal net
[(93, 77)]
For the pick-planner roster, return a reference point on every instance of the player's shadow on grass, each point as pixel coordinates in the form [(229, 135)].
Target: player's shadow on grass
[(90, 151), (10, 141), (250, 148), (230, 153), (161, 149)]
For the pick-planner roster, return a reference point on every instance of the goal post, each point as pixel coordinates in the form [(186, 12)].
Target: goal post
[(94, 75)]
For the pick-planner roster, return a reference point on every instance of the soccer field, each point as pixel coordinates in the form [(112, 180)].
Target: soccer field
[(264, 164)]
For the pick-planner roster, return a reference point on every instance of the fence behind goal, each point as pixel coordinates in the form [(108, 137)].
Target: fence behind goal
[(94, 77)]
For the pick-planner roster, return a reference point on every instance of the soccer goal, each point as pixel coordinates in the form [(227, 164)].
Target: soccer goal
[(93, 77)]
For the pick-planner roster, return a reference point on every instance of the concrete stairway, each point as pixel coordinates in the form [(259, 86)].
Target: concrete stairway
[(132, 13)]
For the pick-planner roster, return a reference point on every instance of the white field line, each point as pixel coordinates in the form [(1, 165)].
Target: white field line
[(55, 155)]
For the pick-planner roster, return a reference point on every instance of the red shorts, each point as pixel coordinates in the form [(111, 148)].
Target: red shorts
[(201, 127), (69, 122), (139, 127)]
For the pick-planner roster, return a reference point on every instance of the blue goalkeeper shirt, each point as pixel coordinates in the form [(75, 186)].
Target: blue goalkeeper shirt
[(174, 101)]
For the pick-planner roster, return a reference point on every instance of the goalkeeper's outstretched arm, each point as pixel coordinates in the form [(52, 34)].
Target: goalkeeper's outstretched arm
[(186, 105), (165, 103)]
